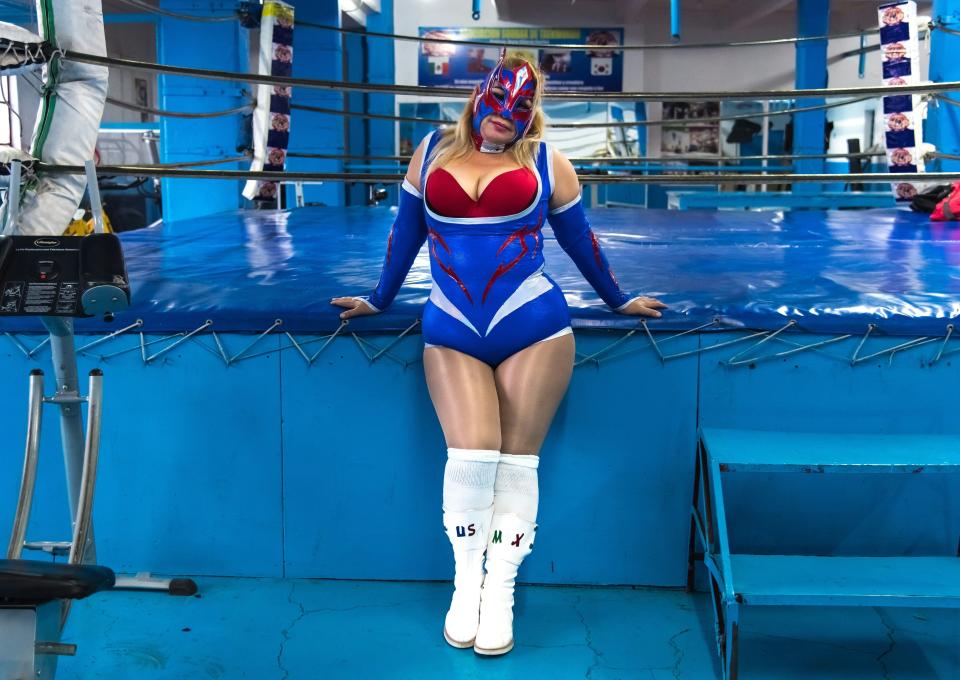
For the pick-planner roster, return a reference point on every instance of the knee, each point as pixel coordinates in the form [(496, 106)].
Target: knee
[(519, 445), (481, 442)]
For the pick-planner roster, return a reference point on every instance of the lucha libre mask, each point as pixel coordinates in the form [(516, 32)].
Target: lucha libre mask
[(517, 83)]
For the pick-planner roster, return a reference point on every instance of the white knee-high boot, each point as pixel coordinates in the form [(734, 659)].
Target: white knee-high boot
[(467, 511), (511, 539)]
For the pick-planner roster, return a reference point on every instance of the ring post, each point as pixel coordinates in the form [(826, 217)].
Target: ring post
[(813, 19), (943, 122)]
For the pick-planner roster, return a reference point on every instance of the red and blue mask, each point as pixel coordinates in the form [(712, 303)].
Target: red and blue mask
[(518, 85)]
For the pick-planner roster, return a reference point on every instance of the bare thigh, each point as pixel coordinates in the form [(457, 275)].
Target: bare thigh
[(531, 385), (464, 395)]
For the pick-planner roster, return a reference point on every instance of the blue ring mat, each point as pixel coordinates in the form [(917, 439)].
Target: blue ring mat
[(830, 271)]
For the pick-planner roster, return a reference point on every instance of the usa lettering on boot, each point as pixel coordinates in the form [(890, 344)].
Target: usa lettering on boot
[(516, 543), (470, 530)]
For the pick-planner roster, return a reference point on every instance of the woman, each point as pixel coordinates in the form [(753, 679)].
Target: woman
[(498, 344)]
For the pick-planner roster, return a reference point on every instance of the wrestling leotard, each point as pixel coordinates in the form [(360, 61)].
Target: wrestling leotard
[(490, 296)]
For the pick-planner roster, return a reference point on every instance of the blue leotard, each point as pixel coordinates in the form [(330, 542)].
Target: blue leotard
[(490, 296)]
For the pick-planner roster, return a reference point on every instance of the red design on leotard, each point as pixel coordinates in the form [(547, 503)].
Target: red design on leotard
[(508, 193), (599, 257), (519, 235), (437, 238)]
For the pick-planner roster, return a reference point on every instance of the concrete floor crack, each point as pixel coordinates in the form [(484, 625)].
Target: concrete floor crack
[(588, 640), (893, 643), (285, 633), (377, 605), (677, 652)]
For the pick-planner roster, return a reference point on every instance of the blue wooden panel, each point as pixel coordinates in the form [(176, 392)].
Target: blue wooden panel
[(820, 391), (617, 470), (189, 478), (847, 581), (818, 452), (364, 457), (363, 464)]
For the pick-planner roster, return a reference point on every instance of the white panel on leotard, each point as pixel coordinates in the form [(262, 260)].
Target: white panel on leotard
[(532, 287), (440, 300)]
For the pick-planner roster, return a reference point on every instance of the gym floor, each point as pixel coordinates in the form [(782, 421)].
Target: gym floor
[(293, 629)]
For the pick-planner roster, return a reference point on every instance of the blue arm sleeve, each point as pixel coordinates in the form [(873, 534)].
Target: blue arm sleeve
[(406, 237), (575, 236)]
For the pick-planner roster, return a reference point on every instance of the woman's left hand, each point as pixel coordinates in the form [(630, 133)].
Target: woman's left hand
[(644, 306)]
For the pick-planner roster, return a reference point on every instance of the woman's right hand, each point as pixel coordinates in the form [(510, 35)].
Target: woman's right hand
[(355, 307)]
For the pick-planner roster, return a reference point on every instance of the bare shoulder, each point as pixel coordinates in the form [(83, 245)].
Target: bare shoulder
[(566, 186), (416, 162)]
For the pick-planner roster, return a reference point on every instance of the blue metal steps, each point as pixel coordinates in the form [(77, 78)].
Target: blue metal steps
[(846, 581), (746, 450), (738, 579)]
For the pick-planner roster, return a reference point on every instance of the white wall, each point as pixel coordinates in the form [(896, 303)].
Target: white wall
[(698, 69), (130, 41)]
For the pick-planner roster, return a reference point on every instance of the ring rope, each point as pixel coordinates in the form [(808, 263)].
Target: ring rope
[(510, 43), (861, 91), (396, 178), (691, 122), (622, 160), (372, 116), (942, 98), (945, 28), (146, 7), (201, 163), (579, 46), (178, 114)]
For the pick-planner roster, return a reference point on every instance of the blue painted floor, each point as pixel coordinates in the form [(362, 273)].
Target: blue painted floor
[(300, 629)]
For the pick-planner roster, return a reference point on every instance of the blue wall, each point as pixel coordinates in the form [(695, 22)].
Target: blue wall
[(317, 54), (271, 468), (943, 121), (225, 46), (382, 138), (219, 45)]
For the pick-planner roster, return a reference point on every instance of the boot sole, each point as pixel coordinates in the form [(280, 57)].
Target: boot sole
[(493, 652), (456, 643)]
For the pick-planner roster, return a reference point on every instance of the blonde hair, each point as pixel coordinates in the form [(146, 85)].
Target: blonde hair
[(456, 142)]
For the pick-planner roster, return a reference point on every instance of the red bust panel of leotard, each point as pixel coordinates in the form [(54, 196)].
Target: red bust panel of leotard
[(509, 193)]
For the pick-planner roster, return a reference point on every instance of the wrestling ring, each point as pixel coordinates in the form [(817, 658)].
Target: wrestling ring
[(229, 378)]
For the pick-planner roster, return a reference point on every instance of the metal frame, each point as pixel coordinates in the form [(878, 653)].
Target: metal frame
[(790, 335), (79, 461), (81, 451), (708, 525), (49, 619)]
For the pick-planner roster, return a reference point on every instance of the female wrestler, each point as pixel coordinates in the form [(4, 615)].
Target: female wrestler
[(498, 344)]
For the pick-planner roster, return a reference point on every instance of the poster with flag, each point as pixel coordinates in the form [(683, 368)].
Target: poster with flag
[(599, 69)]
